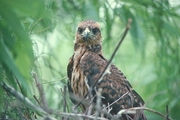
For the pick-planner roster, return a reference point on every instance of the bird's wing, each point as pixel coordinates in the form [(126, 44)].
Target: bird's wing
[(114, 84), (69, 73)]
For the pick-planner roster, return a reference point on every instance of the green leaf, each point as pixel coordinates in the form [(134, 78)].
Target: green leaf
[(21, 59), (6, 58), (135, 31), (26, 8)]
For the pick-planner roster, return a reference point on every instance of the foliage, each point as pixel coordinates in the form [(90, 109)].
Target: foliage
[(37, 37)]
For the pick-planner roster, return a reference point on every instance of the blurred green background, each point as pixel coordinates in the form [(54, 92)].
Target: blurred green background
[(37, 36)]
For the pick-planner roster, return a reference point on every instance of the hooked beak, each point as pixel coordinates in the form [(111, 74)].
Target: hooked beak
[(86, 34)]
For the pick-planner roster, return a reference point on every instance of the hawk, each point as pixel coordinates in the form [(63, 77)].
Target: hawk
[(85, 67)]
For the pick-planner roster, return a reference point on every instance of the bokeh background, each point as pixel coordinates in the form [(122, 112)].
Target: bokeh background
[(37, 36)]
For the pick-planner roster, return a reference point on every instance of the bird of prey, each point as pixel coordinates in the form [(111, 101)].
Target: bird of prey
[(85, 67)]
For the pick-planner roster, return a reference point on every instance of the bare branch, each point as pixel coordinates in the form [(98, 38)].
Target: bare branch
[(64, 95), (89, 111), (22, 98), (98, 103), (112, 56), (36, 99), (133, 111), (41, 92), (74, 115), (167, 113), (64, 109), (116, 100)]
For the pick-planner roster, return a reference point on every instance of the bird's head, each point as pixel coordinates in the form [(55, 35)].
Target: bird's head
[(88, 31)]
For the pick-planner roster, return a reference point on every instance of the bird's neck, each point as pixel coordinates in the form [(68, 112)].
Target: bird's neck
[(83, 47), (80, 49)]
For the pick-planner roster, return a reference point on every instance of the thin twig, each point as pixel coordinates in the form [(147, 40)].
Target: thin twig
[(43, 30), (90, 104), (167, 113), (19, 85), (106, 112), (36, 99), (133, 110), (98, 103), (116, 100), (64, 107), (41, 92), (22, 91), (154, 95), (89, 110), (108, 64), (30, 31)]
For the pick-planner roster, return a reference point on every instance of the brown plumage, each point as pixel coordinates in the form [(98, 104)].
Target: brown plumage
[(85, 66)]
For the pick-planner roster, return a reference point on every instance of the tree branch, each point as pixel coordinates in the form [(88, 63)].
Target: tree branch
[(44, 104), (133, 111), (22, 98)]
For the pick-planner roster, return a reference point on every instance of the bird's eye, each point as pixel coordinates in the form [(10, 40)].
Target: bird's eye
[(80, 30), (95, 30)]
